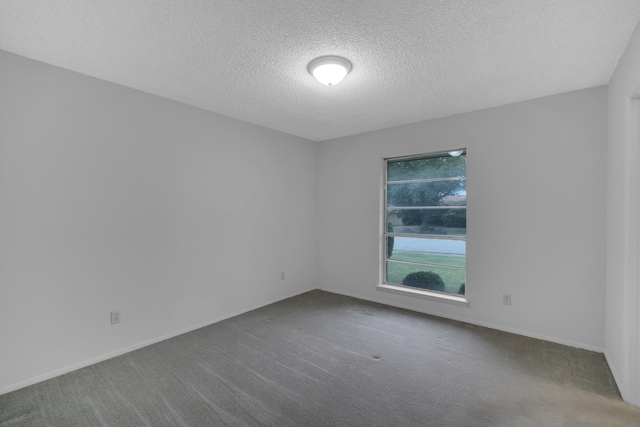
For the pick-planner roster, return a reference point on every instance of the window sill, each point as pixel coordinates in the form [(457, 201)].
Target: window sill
[(437, 296)]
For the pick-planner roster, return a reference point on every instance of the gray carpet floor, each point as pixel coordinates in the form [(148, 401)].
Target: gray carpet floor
[(321, 359)]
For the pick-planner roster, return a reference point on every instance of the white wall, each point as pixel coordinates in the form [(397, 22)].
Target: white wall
[(622, 302), (536, 214), (116, 199)]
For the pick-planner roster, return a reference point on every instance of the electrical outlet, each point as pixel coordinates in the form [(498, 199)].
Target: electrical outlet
[(506, 299), (115, 317)]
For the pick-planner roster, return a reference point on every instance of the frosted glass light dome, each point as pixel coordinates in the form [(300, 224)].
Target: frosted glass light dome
[(329, 70)]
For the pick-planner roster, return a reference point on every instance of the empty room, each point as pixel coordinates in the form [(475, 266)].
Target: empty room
[(320, 213)]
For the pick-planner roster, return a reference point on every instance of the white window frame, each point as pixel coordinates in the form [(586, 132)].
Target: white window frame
[(407, 290)]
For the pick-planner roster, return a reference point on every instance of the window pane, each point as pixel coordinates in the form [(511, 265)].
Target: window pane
[(427, 221), (428, 246), (400, 251), (436, 193), (430, 167), (440, 279)]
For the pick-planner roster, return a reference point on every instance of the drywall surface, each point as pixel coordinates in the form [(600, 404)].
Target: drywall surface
[(114, 199), (622, 302), (535, 209)]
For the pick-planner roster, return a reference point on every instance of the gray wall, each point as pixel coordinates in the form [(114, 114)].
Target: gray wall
[(116, 199), (536, 214), (623, 213)]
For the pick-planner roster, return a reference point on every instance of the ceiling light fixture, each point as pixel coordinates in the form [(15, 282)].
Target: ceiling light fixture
[(329, 70), (456, 153)]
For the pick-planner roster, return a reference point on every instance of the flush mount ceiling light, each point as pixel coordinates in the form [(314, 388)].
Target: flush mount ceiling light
[(456, 153), (329, 70)]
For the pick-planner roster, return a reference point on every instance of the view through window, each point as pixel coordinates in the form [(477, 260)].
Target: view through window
[(426, 222)]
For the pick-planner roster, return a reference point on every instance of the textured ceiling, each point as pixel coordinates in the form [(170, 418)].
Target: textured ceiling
[(412, 59)]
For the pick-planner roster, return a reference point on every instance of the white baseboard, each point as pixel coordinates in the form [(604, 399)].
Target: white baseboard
[(612, 368), (471, 321), (121, 351), (626, 394)]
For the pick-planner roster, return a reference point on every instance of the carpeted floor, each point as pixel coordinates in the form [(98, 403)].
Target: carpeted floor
[(321, 359)]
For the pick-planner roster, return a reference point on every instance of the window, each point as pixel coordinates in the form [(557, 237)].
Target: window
[(425, 218)]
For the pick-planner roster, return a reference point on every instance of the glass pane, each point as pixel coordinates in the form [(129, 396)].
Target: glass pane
[(452, 222), (444, 252), (436, 193), (426, 246), (442, 279), (444, 166)]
